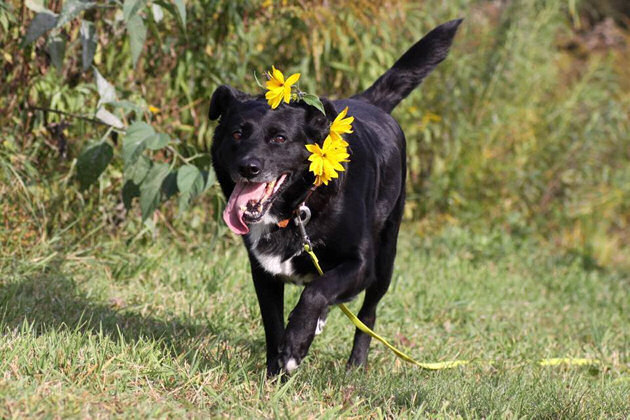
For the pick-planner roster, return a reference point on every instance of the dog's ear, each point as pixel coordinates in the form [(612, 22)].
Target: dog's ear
[(222, 98), (317, 124)]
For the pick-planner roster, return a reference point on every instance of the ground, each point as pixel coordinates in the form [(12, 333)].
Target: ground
[(152, 329)]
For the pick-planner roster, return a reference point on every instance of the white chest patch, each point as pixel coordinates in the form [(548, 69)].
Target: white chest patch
[(274, 264)]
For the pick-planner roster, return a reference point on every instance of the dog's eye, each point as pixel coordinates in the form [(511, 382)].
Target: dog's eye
[(279, 139), (237, 135)]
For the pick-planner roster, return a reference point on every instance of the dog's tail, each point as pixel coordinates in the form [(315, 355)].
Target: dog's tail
[(410, 69)]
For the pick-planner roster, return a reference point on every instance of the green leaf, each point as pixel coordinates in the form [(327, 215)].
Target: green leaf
[(172, 9), (190, 183), (158, 141), (151, 187), (181, 9), (209, 178), (138, 171), (7, 15), (109, 118), (71, 9), (106, 92), (203, 160), (88, 43), (157, 12), (127, 106), (92, 162), (5, 18), (56, 49), (169, 186), (129, 192), (313, 100), (190, 180), (135, 141), (131, 8), (137, 36), (36, 6), (41, 23)]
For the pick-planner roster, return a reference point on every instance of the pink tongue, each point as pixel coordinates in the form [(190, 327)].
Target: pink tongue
[(242, 194)]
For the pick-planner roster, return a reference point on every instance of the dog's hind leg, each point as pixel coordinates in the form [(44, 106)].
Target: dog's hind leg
[(321, 322), (384, 266)]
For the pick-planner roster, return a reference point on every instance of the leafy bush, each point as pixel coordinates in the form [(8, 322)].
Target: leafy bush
[(107, 101)]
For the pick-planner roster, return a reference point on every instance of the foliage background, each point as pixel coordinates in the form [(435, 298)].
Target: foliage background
[(525, 126)]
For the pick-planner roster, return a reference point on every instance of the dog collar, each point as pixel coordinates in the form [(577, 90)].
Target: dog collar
[(297, 213)]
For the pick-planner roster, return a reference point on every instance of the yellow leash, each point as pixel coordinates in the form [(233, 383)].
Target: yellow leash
[(360, 325), (437, 365), (431, 366)]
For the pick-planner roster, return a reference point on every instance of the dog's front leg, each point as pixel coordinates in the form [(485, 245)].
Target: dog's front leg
[(270, 293), (335, 286)]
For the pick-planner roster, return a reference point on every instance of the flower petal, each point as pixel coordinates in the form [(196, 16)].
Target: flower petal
[(287, 93), (338, 141), (314, 148), (343, 126), (292, 79), (317, 166), (274, 101), (272, 93), (277, 74), (326, 160), (327, 166), (342, 114), (328, 144), (273, 84), (337, 166), (274, 97), (337, 155)]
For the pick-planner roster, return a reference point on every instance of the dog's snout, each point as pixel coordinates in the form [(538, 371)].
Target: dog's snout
[(250, 168)]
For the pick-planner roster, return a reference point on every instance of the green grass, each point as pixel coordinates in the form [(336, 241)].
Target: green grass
[(523, 128), (148, 330)]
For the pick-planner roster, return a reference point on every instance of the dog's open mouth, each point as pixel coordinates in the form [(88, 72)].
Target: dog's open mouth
[(249, 202)]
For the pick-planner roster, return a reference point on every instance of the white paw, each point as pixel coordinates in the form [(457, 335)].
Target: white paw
[(291, 365)]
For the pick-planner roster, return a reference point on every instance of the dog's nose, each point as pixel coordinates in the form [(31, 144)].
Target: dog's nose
[(249, 168)]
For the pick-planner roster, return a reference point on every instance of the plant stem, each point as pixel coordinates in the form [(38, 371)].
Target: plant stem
[(67, 114)]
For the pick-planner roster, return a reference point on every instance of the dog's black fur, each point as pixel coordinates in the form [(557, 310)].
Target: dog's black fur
[(355, 219)]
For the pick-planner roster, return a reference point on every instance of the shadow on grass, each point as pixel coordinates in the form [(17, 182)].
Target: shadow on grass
[(51, 301)]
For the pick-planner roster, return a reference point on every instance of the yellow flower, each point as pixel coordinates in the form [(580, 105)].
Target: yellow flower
[(326, 160), (279, 89), (341, 125)]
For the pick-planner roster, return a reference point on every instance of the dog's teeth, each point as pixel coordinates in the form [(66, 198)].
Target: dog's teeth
[(269, 187)]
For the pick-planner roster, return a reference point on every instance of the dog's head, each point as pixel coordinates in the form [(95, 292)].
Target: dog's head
[(259, 154)]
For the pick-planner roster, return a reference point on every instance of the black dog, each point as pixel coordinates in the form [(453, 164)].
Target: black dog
[(260, 160)]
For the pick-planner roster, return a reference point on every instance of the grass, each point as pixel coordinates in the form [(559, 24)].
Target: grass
[(523, 129), (162, 330)]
